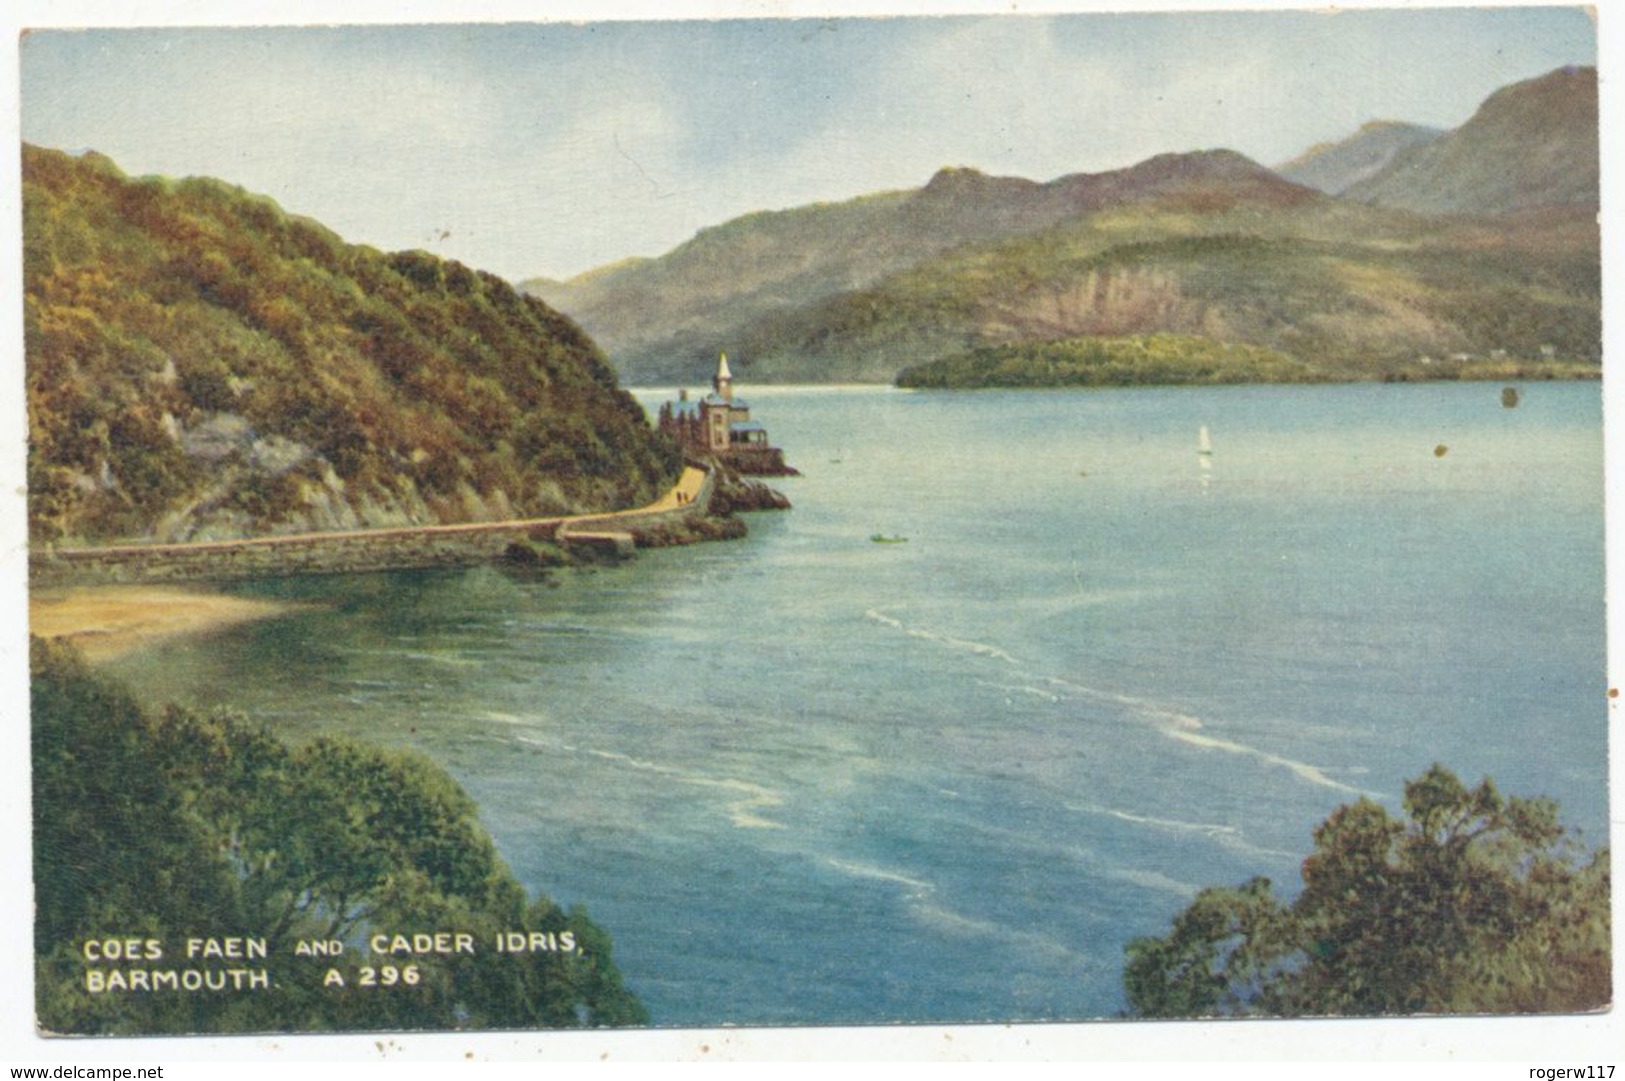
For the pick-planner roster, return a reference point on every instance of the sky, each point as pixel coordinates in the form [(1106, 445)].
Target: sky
[(547, 149)]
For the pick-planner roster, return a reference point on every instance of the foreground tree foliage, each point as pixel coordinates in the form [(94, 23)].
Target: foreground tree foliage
[(1476, 904), (178, 826)]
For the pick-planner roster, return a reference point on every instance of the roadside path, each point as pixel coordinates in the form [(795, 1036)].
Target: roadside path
[(393, 547), (688, 490)]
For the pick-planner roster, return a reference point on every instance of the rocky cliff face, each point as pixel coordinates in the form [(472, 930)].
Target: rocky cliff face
[(1107, 301)]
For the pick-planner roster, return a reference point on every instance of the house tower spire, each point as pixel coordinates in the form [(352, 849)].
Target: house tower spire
[(723, 381)]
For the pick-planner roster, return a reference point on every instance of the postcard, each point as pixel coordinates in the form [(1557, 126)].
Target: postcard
[(815, 519)]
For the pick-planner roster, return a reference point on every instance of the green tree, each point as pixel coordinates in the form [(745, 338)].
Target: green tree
[(1475, 903), (179, 824)]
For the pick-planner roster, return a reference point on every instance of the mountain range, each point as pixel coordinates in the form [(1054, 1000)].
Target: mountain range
[(1368, 258)]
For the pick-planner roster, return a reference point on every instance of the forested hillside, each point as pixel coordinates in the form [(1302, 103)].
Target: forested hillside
[(201, 364)]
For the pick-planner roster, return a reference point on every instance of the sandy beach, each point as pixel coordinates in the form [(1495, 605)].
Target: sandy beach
[(109, 621)]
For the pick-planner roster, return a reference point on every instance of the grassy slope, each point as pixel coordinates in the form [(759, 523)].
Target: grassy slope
[(200, 363)]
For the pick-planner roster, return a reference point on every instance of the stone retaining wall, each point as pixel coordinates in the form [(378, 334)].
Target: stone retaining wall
[(403, 548)]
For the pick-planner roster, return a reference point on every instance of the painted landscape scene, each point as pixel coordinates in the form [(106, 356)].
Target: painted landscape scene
[(809, 522)]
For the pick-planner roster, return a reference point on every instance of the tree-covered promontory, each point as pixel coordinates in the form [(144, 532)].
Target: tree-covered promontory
[(1136, 360), (158, 833), (202, 365), (1474, 903)]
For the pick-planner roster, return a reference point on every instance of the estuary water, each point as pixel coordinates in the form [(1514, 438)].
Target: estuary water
[(808, 777)]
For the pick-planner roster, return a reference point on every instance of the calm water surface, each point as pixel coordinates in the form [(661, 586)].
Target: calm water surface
[(808, 778)]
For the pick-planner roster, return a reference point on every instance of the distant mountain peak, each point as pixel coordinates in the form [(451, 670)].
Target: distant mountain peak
[(955, 174), (1530, 144), (959, 182), (1212, 164), (1335, 167)]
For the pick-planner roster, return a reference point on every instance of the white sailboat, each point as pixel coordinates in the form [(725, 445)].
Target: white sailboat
[(1204, 441)]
